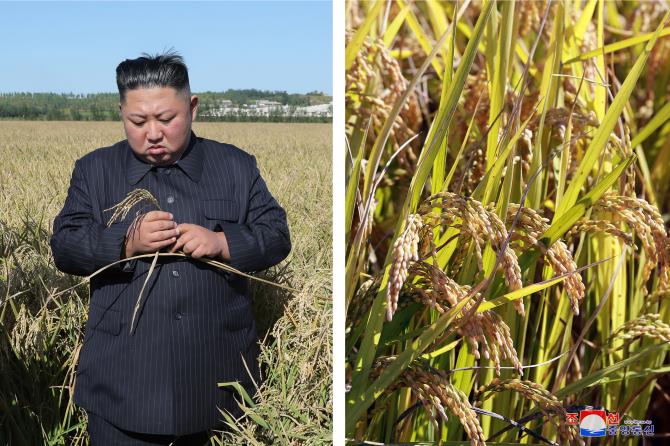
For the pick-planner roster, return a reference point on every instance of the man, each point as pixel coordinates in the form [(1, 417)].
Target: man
[(195, 328)]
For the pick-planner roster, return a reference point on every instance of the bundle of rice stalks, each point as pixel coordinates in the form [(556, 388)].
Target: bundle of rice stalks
[(432, 389), (373, 83), (482, 330), (530, 226), (477, 226)]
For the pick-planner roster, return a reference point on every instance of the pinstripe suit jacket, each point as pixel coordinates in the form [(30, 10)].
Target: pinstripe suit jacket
[(195, 327)]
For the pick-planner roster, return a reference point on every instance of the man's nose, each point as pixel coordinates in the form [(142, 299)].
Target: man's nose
[(154, 132)]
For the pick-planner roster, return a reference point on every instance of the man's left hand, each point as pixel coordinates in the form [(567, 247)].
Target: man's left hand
[(198, 242)]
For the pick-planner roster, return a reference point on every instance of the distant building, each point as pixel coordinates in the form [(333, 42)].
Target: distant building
[(266, 103), (264, 107), (325, 110)]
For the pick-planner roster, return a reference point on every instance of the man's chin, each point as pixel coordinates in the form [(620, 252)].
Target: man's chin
[(163, 159)]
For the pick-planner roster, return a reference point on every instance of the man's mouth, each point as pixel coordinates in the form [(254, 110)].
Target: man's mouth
[(156, 150)]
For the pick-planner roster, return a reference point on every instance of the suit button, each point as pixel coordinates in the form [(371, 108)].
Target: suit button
[(178, 316), (170, 199), (175, 273)]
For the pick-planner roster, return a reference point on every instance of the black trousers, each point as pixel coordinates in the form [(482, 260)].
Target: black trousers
[(103, 433)]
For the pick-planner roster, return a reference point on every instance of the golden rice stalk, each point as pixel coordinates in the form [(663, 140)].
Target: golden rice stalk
[(405, 250), (374, 66), (478, 225), (529, 228), (568, 434), (133, 198), (121, 211), (599, 226), (648, 325), (485, 331), (646, 221), (525, 153), (369, 221), (437, 395), (365, 295), (529, 17), (546, 401)]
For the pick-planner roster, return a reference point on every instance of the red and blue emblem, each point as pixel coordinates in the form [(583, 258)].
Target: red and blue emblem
[(592, 423)]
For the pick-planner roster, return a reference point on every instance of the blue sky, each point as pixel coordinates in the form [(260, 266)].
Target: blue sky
[(76, 46)]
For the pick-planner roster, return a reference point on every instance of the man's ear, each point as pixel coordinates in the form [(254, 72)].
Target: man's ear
[(194, 107)]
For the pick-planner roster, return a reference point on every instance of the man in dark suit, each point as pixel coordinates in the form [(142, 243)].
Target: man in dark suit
[(195, 328)]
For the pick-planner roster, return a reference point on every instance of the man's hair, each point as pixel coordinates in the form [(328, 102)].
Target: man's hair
[(161, 70)]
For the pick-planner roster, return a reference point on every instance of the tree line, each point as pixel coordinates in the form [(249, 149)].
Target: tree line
[(105, 106)]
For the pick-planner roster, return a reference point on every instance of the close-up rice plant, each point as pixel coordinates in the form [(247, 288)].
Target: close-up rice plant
[(507, 200)]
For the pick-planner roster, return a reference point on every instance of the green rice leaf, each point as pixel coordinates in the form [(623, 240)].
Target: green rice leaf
[(602, 134), (660, 118), (616, 46), (595, 378), (356, 42)]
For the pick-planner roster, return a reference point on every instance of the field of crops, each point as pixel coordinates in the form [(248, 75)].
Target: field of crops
[(507, 250), (41, 328)]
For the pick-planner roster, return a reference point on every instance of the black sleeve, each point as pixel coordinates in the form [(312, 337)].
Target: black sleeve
[(81, 245), (263, 240)]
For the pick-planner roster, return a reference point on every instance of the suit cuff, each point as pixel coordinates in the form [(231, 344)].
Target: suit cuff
[(240, 246), (111, 245)]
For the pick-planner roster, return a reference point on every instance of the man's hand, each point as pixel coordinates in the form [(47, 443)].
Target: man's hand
[(155, 231), (197, 242)]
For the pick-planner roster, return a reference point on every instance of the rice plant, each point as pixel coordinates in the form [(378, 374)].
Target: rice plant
[(507, 249)]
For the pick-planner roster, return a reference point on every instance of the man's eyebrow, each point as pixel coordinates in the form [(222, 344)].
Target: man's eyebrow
[(142, 115)]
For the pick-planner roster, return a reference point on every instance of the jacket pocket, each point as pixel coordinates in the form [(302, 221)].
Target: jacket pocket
[(226, 210), (104, 319)]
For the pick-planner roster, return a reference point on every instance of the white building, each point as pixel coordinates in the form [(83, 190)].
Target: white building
[(266, 108)]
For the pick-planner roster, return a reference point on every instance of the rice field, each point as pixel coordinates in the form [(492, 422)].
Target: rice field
[(41, 329), (507, 249)]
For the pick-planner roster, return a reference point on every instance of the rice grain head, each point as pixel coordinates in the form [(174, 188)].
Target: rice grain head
[(134, 197), (437, 395), (647, 325), (529, 228), (478, 225), (545, 400), (405, 250), (646, 221), (486, 331)]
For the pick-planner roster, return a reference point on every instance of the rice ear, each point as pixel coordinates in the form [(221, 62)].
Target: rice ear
[(134, 197)]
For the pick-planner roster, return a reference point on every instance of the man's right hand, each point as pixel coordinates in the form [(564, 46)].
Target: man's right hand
[(155, 231)]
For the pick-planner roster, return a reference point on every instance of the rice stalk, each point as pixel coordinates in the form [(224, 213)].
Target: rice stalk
[(133, 198), (647, 325), (435, 392), (547, 402), (529, 229), (478, 225), (405, 250), (484, 330), (121, 210)]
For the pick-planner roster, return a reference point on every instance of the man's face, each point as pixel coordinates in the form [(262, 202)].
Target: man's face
[(157, 122)]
